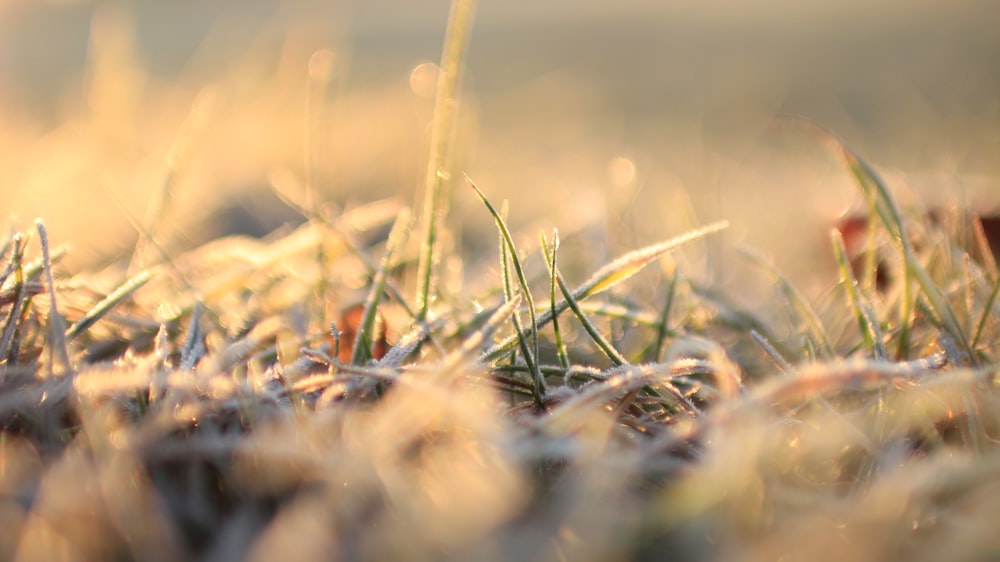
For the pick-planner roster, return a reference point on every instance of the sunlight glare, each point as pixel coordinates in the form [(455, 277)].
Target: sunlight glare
[(621, 172), (423, 80)]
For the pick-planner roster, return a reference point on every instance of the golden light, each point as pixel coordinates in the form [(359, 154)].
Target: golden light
[(621, 172), (423, 80), (321, 66)]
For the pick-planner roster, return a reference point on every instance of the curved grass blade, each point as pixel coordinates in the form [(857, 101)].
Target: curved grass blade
[(609, 276), (867, 321), (508, 248), (876, 192), (875, 187), (879, 198), (108, 303)]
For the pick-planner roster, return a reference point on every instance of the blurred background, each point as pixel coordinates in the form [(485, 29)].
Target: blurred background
[(623, 122)]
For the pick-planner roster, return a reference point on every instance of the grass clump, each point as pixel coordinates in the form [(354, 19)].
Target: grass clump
[(236, 402), (202, 410)]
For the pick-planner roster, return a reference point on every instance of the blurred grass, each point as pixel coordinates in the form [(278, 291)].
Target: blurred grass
[(176, 394)]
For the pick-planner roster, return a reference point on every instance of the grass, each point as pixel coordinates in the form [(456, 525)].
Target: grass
[(205, 407)]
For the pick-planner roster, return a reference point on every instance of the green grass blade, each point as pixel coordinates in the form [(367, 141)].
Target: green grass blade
[(537, 386), (939, 304), (867, 321), (878, 195), (609, 276), (366, 332), (550, 259), (663, 328), (604, 345), (443, 130), (108, 303), (875, 190), (987, 310), (508, 248)]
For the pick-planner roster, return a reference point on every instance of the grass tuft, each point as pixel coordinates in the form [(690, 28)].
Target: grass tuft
[(201, 409)]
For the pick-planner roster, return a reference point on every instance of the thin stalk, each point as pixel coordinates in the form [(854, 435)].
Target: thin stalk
[(550, 259), (366, 332), (442, 139), (57, 326), (508, 252), (987, 309), (867, 322), (604, 345), (663, 328), (608, 276), (108, 303)]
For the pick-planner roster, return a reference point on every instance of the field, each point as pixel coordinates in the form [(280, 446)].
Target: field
[(294, 298)]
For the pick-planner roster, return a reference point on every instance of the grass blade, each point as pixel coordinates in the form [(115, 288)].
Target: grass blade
[(604, 345), (633, 262), (784, 366), (34, 269), (608, 276), (982, 245), (194, 347), (18, 290), (108, 303), (550, 259), (987, 310), (477, 338), (365, 338), (877, 193), (57, 326), (438, 175), (867, 321), (508, 248), (663, 328)]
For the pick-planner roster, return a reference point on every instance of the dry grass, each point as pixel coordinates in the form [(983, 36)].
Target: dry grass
[(203, 412), (198, 404)]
